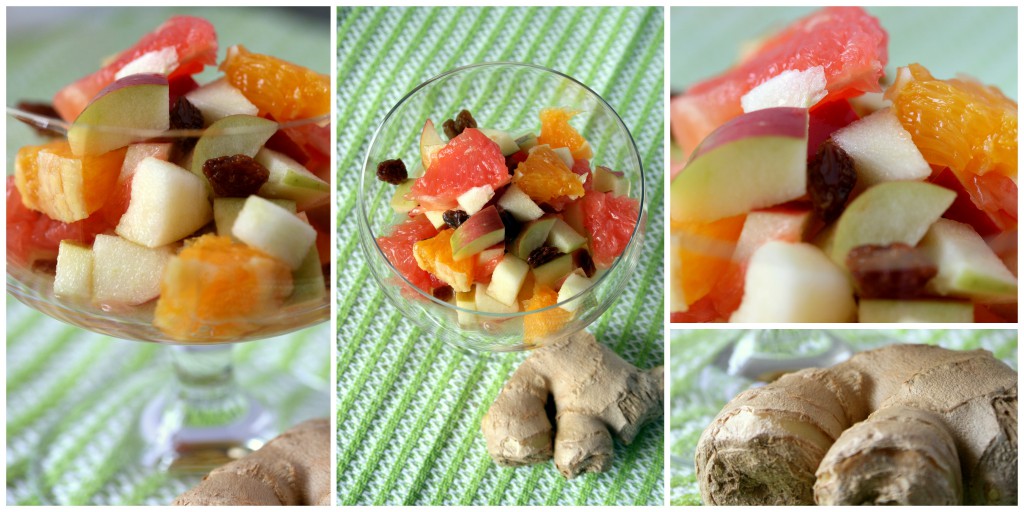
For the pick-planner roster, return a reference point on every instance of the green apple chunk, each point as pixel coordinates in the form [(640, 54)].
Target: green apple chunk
[(788, 282), (552, 272), (226, 209), (274, 230), (882, 150), (466, 301), (565, 155), (167, 204), (564, 238), (308, 280), (436, 218), (574, 285), (399, 203), (526, 141), (894, 211), (290, 180), (219, 99), (921, 311), (474, 199), (486, 303), (612, 182), (967, 265), (754, 161), (119, 113), (532, 236), (505, 141), (478, 233), (508, 279), (74, 271), (232, 135), (430, 144), (520, 205), (126, 273)]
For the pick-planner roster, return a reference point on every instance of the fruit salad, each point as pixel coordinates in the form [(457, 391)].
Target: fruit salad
[(203, 208), (499, 224), (817, 189)]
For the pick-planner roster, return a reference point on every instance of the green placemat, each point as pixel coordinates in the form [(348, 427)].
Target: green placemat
[(60, 374), (409, 407), (699, 391)]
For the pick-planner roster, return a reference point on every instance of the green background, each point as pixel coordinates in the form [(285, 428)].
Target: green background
[(409, 407)]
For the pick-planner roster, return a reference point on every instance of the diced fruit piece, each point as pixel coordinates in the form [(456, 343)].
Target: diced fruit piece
[(848, 42), (216, 289), (121, 110), (537, 326), (434, 255), (790, 88), (66, 188), (474, 199), (504, 141), (794, 283), (290, 180), (920, 311), (485, 303), (487, 261), (466, 301), (192, 38), (581, 168), (701, 253), (397, 247), (138, 152), (516, 202), (754, 161), (552, 272), (824, 120), (436, 219), (544, 176), (507, 279), (967, 266), (400, 204), (613, 182), (74, 271), (430, 143), (526, 141), (610, 221), (284, 90), (532, 236), (881, 150), (556, 132), (894, 211), (565, 238), (702, 311), (478, 233), (274, 230), (232, 135), (226, 210), (574, 285), (125, 273), (219, 99), (566, 157), (167, 204), (467, 161), (963, 208), (308, 280)]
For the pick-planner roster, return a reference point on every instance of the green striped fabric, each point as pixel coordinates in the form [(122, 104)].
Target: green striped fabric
[(72, 394), (409, 407), (698, 391)]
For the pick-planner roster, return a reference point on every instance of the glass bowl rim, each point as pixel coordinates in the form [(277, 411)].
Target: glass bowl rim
[(634, 236)]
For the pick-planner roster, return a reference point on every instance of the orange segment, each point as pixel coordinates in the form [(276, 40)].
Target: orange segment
[(284, 90), (556, 132), (539, 325), (435, 256), (66, 187), (544, 176), (704, 253), (218, 289)]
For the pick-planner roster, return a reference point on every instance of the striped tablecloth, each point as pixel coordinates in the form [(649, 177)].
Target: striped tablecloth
[(88, 386), (409, 407)]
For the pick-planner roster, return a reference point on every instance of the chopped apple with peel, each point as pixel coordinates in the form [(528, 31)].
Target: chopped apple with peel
[(895, 211), (63, 186), (232, 135), (274, 230), (794, 283), (882, 150), (226, 210), (574, 285), (532, 236), (612, 182), (400, 204), (967, 266), (486, 303), (126, 273), (436, 218), (430, 143), (487, 261), (140, 151), (520, 205), (753, 161), (466, 302), (564, 154), (219, 99), (477, 233), (790, 88), (916, 311), (507, 279), (564, 238), (122, 113), (551, 273), (474, 199), (505, 141), (290, 180), (308, 280), (74, 271), (167, 204)]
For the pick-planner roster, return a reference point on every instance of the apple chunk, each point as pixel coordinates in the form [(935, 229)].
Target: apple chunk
[(119, 112), (532, 236), (232, 135), (74, 271), (967, 266), (126, 273), (292, 181), (167, 204), (507, 279), (274, 230), (430, 143), (921, 311), (790, 88), (882, 150), (754, 161), (520, 205), (478, 233), (219, 99)]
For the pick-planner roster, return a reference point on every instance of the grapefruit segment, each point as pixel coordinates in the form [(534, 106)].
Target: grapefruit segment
[(468, 161), (610, 221), (397, 247)]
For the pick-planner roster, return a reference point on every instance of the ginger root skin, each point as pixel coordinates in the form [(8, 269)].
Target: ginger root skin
[(294, 468), (946, 419), (596, 394)]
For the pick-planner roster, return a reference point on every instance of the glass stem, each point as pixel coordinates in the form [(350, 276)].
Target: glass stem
[(208, 395)]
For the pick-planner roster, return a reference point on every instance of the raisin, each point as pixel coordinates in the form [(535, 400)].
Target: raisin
[(186, 116), (830, 180), (512, 226), (392, 171), (39, 109), (585, 262), (464, 120), (894, 271), (444, 293), (449, 129), (454, 218), (542, 255), (235, 175)]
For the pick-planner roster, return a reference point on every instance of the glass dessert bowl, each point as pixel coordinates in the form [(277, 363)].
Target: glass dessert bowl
[(520, 228)]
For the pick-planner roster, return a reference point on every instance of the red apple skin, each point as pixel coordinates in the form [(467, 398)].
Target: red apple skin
[(824, 120), (131, 80), (484, 223), (770, 122)]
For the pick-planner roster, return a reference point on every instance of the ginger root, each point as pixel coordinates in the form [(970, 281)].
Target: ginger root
[(294, 468), (595, 393), (903, 424)]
